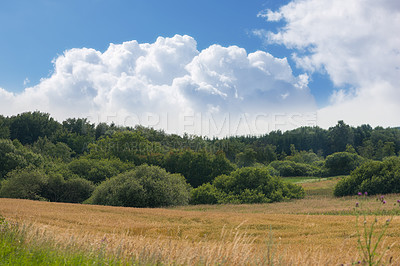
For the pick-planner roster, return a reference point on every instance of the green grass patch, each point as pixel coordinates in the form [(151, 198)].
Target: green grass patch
[(16, 248), (303, 179)]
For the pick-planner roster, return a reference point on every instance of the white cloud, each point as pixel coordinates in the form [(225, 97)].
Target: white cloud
[(357, 44), (169, 84)]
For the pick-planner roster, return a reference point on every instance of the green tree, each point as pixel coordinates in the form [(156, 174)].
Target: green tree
[(97, 170), (13, 155), (4, 128), (383, 150), (246, 158), (28, 127), (366, 150), (48, 149), (197, 167), (79, 126), (340, 136), (127, 146)]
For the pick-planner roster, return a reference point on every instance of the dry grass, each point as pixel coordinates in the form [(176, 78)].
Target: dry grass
[(229, 234)]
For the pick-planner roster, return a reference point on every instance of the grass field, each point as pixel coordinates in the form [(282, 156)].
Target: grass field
[(317, 230)]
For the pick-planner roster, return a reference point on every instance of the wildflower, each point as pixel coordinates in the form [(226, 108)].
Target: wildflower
[(359, 193), (398, 201), (356, 204), (384, 202), (366, 193), (382, 199)]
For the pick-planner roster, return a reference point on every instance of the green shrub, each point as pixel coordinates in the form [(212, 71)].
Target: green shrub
[(205, 194), (246, 185), (77, 190), (27, 183), (36, 184), (342, 163), (146, 186), (374, 177)]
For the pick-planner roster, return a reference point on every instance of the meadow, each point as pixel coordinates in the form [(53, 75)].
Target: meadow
[(316, 230)]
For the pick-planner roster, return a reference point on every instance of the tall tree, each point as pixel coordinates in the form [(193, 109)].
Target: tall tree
[(340, 136), (28, 127)]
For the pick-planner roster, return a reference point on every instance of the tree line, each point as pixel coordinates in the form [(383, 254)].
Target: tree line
[(78, 161)]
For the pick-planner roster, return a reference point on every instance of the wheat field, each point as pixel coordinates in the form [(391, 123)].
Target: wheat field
[(300, 232)]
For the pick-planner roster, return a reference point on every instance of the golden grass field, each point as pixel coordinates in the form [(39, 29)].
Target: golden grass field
[(300, 232)]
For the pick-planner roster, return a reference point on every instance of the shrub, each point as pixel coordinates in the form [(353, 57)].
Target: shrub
[(26, 183), (373, 177), (246, 185), (77, 190), (205, 194), (146, 186), (342, 163)]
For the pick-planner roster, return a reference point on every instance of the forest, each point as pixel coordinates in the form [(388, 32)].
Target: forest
[(80, 162)]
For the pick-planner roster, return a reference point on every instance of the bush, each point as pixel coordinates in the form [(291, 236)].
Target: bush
[(246, 185), (373, 177), (26, 183), (342, 163), (77, 190), (205, 194), (146, 186), (290, 168), (36, 184)]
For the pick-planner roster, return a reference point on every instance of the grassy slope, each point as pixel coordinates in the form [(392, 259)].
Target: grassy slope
[(234, 234)]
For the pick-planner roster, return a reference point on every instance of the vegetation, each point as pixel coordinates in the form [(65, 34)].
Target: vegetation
[(71, 160), (246, 185), (18, 248), (146, 186), (374, 177)]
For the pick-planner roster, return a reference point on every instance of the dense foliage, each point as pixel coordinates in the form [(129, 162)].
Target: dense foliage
[(373, 177), (246, 185), (70, 160), (146, 186), (342, 163)]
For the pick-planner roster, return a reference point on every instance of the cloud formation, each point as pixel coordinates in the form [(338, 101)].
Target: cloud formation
[(169, 84), (357, 44)]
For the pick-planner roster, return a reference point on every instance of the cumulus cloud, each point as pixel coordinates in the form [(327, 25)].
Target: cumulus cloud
[(357, 44), (171, 85)]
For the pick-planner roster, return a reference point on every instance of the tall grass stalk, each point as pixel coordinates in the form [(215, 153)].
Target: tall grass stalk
[(370, 237)]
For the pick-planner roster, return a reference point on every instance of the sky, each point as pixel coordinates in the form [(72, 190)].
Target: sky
[(211, 68)]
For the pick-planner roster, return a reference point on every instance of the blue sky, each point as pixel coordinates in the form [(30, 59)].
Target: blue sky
[(34, 33)]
